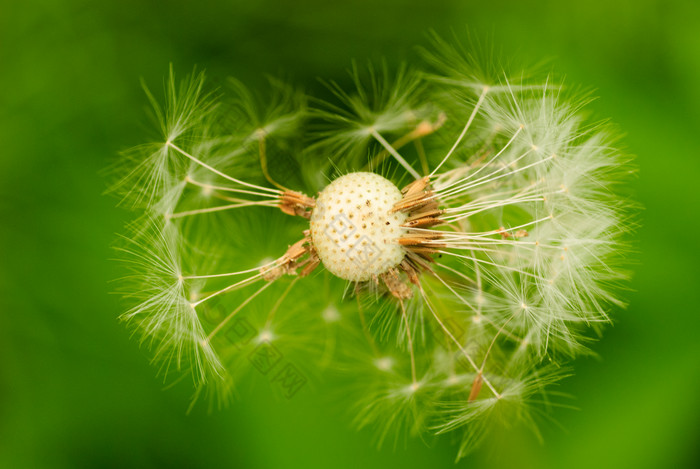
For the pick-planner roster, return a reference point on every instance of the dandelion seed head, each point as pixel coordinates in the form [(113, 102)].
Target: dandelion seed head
[(354, 230)]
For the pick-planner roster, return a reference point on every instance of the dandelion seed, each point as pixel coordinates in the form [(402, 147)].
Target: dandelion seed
[(478, 221), (266, 336), (331, 314), (384, 363)]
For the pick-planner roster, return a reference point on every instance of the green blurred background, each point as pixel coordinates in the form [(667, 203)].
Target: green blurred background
[(76, 391)]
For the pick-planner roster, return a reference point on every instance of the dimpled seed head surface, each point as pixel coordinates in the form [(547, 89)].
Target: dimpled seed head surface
[(353, 230)]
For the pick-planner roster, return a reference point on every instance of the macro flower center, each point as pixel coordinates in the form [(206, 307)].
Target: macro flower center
[(355, 229)]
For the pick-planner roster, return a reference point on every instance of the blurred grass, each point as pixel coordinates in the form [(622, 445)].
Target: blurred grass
[(75, 391)]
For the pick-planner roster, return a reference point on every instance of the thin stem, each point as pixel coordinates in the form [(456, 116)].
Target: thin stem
[(365, 329), (455, 271), (503, 203), (423, 129), (263, 159), (521, 272), (493, 341), (482, 235), (489, 162), (233, 313), (454, 292), (231, 287), (220, 208), (216, 171), (422, 156), (479, 286), (489, 179), (410, 342), (464, 131), (465, 184), (227, 189), (279, 301), (229, 274), (395, 154), (449, 334)]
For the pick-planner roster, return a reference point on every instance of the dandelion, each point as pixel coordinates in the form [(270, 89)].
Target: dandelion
[(448, 238)]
